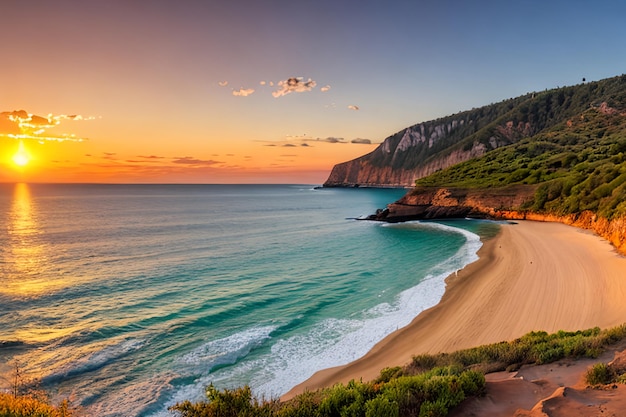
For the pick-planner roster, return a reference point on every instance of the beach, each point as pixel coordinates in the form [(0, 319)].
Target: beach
[(532, 276)]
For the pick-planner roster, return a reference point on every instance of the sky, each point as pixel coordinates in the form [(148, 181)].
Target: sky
[(253, 91)]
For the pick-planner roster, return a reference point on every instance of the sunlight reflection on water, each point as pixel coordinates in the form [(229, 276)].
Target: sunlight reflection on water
[(27, 252)]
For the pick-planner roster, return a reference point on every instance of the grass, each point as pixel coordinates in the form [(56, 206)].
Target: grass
[(431, 385)]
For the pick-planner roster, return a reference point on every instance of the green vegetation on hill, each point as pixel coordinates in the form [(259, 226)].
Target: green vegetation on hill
[(577, 165), (431, 385), (501, 123)]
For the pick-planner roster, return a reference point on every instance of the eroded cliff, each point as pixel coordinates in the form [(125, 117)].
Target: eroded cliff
[(421, 150), (453, 202), (505, 203)]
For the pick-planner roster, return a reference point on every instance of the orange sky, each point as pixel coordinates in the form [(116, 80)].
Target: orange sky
[(258, 92), (52, 154)]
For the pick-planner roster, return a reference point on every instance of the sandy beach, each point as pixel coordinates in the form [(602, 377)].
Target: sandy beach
[(532, 276)]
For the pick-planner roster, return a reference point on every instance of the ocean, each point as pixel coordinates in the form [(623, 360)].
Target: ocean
[(129, 298)]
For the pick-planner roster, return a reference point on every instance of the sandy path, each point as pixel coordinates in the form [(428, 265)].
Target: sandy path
[(532, 276)]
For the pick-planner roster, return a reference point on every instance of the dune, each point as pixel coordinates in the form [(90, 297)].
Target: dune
[(532, 276), (553, 390)]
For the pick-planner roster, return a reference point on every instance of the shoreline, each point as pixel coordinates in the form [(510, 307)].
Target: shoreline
[(531, 276)]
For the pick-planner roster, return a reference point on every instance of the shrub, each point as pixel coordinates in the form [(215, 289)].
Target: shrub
[(430, 386), (381, 406), (433, 409), (31, 406), (303, 405), (226, 403), (472, 382), (346, 401), (388, 374), (600, 374)]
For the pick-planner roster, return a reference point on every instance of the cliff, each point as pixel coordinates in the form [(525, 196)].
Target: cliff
[(426, 148), (423, 149), (505, 203), (362, 171), (454, 202)]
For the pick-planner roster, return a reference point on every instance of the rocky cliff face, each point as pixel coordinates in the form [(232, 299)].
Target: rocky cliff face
[(420, 150), (427, 147), (613, 230), (452, 202), (362, 172), (499, 203)]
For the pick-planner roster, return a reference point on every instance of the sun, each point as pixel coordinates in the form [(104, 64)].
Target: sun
[(21, 157)]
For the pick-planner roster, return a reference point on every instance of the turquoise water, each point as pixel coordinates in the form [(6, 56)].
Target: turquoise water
[(129, 298)]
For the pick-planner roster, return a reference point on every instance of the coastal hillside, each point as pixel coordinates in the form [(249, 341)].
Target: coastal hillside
[(426, 148), (574, 172)]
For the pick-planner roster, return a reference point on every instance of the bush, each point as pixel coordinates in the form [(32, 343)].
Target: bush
[(600, 374), (31, 406), (226, 403), (430, 386), (388, 374), (433, 409), (381, 406), (472, 383), (346, 401)]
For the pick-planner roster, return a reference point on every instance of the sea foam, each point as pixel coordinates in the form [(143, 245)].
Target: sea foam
[(227, 350), (95, 360), (335, 342), (331, 342)]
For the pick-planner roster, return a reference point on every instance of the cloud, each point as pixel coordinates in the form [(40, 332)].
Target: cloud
[(19, 124), (304, 144), (333, 140), (361, 141), (353, 107), (325, 88), (150, 159), (222, 83), (188, 160), (262, 83), (243, 92), (330, 139), (293, 84), (301, 137), (289, 145)]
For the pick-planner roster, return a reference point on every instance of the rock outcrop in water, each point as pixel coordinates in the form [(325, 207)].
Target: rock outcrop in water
[(452, 202), (505, 203)]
